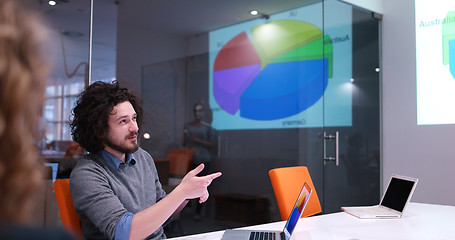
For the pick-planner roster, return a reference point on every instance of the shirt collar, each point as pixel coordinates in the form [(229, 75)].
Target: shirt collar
[(114, 162)]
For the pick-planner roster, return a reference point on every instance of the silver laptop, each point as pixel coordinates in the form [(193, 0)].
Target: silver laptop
[(393, 203), (294, 217)]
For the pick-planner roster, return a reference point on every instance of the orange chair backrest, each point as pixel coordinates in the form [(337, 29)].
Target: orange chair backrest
[(180, 161), (68, 215), (287, 183)]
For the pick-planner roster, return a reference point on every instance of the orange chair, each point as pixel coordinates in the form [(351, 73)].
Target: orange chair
[(179, 161), (287, 183), (70, 219)]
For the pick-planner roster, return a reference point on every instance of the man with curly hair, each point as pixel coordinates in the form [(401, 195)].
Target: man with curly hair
[(115, 188)]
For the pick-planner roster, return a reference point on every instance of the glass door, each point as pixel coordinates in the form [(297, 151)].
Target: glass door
[(350, 133)]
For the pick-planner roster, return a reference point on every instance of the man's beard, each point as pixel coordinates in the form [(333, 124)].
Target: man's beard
[(123, 149)]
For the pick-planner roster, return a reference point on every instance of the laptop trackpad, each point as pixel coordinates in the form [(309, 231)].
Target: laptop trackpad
[(237, 234)]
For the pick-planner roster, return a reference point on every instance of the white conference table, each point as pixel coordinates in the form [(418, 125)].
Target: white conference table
[(420, 221)]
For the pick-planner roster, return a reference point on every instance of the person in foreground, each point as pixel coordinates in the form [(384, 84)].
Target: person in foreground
[(23, 74), (115, 188)]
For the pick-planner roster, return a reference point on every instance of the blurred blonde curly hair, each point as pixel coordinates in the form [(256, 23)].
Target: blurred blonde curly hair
[(23, 73)]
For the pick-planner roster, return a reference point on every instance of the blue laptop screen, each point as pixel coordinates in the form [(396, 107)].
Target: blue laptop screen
[(297, 210), (54, 166)]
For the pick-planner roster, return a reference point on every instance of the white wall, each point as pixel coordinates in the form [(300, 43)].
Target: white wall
[(425, 152)]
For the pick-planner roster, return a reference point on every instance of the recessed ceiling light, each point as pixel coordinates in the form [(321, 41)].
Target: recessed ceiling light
[(52, 3), (146, 136), (262, 15)]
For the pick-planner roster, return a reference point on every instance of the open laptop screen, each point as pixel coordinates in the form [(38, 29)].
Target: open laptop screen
[(398, 192), (54, 166), (297, 210)]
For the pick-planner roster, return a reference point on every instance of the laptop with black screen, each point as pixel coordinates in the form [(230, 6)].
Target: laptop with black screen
[(393, 203), (295, 215)]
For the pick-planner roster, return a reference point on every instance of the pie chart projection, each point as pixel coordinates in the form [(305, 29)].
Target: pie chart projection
[(278, 71)]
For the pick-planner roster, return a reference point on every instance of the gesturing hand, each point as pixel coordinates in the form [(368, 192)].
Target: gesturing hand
[(196, 187)]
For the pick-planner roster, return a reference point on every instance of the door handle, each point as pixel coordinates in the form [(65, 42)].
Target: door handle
[(219, 146), (222, 146), (336, 138)]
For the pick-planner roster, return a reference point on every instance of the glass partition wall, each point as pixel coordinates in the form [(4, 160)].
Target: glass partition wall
[(68, 48), (297, 87), (68, 51)]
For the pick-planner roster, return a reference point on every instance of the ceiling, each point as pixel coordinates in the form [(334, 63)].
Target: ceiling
[(70, 21), (199, 16)]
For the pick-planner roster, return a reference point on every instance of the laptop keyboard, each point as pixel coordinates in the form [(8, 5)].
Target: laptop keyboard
[(262, 236)]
